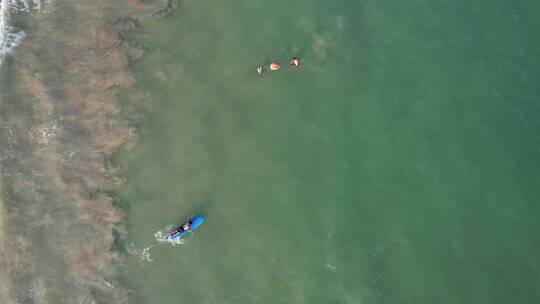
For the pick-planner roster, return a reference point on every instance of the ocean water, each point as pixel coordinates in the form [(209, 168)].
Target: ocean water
[(399, 164)]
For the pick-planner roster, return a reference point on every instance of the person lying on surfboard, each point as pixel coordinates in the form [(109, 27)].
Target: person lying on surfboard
[(181, 229), (189, 226)]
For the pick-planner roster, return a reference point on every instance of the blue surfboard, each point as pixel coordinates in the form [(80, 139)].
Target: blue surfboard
[(177, 233)]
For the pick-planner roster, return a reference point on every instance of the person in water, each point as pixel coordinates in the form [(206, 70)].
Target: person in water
[(295, 62), (274, 66), (260, 70), (183, 228)]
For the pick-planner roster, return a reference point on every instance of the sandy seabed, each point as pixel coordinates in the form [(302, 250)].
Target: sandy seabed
[(61, 120)]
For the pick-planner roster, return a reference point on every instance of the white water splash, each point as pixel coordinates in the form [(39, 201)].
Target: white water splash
[(27, 5), (331, 267), (160, 237), (11, 37)]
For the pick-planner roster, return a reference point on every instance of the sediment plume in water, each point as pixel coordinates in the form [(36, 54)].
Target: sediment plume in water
[(61, 120)]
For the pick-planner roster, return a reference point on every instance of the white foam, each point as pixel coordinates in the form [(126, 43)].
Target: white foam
[(160, 237), (331, 267), (27, 6), (11, 37), (143, 254)]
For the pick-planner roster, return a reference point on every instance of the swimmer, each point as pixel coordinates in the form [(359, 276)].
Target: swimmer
[(274, 66), (260, 70), (295, 62)]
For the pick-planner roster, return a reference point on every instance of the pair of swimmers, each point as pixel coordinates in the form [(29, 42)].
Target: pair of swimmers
[(274, 66)]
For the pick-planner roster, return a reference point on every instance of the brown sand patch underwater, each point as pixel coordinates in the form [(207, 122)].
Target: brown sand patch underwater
[(61, 120)]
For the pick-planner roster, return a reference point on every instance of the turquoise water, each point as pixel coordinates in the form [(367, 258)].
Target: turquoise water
[(398, 164)]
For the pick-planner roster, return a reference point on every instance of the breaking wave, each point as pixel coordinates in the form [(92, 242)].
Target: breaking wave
[(11, 37)]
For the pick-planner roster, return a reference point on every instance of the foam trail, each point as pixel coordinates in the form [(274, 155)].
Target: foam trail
[(11, 37), (160, 237), (143, 254)]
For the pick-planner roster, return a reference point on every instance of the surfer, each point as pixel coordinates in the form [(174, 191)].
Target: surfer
[(189, 226), (274, 66), (260, 70), (295, 62), (181, 228)]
